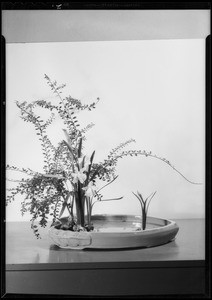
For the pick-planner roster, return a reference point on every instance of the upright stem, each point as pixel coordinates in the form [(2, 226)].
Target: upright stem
[(72, 208), (88, 210), (79, 198), (70, 211), (144, 215)]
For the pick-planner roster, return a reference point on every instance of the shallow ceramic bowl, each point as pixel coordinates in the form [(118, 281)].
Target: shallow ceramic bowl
[(117, 232)]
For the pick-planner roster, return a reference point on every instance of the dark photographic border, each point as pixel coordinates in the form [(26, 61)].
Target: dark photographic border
[(110, 5)]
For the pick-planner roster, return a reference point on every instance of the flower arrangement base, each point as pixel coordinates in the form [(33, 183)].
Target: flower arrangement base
[(117, 232)]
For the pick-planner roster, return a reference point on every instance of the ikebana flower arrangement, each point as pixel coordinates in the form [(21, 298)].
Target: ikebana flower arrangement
[(71, 181)]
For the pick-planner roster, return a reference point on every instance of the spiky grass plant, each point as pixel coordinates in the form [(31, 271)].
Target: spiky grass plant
[(69, 178), (144, 206)]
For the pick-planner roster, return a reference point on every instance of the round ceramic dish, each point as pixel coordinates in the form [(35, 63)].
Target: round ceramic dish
[(117, 232)]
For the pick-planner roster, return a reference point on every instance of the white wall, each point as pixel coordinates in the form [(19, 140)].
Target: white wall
[(152, 91)]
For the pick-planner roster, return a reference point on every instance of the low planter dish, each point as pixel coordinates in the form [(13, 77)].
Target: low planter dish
[(117, 232)]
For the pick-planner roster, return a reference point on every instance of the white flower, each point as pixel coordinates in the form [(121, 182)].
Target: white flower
[(79, 175), (90, 189)]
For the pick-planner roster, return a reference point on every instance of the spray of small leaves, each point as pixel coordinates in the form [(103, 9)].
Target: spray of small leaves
[(69, 178)]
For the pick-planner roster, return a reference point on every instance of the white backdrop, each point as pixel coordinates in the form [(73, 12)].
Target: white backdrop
[(152, 91)]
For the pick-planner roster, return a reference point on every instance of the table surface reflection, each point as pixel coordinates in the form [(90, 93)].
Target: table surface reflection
[(22, 248)]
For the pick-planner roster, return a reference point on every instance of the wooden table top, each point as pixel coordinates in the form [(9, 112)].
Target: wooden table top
[(23, 250)]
